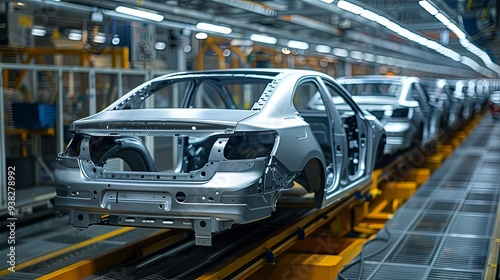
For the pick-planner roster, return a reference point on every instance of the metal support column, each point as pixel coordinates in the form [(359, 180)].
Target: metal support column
[(92, 93), (149, 141), (120, 84), (181, 66), (3, 167), (60, 112)]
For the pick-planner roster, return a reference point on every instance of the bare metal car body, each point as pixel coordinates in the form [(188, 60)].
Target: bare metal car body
[(448, 106), (464, 94), (233, 159), (399, 102)]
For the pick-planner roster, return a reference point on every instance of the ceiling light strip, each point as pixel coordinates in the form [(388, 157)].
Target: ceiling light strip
[(263, 39), (214, 28), (405, 33), (139, 13), (426, 5)]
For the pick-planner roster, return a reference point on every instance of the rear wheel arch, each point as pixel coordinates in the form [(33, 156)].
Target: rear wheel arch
[(312, 178)]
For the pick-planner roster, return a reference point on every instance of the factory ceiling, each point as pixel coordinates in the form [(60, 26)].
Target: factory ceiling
[(402, 30)]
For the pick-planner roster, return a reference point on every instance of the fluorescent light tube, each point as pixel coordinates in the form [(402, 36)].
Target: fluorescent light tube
[(369, 57), (357, 55), (381, 59), (328, 1), (350, 7), (214, 28), (99, 38), (455, 29), (75, 36), (323, 49), (160, 46), (340, 52), (298, 45), (428, 7), (139, 13), (443, 19), (263, 39), (369, 15), (36, 31), (201, 36)]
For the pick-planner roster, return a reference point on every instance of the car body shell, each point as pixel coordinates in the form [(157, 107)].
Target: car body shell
[(494, 103), (449, 107), (467, 97), (407, 129), (232, 164)]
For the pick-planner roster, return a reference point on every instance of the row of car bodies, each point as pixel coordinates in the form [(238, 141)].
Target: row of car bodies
[(210, 149), (414, 110)]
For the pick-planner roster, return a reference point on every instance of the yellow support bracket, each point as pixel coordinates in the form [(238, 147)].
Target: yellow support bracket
[(419, 175), (316, 258), (446, 150), (433, 162), (398, 190)]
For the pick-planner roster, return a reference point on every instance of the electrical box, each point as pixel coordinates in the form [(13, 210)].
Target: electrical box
[(15, 29)]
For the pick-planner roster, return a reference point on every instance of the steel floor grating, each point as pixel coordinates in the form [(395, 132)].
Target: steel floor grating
[(445, 229)]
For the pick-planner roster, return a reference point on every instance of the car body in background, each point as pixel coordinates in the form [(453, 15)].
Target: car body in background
[(400, 103), (240, 138), (494, 103), (476, 90), (484, 89), (448, 106), (462, 92)]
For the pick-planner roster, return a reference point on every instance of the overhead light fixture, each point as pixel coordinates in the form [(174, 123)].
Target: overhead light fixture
[(75, 35), (263, 39), (369, 15), (139, 13), (357, 55), (381, 59), (428, 7), (340, 52), (241, 43), (443, 19), (160, 46), (38, 31), (328, 1), (201, 35), (99, 38), (460, 34), (97, 16), (187, 48), (116, 40), (286, 50), (350, 7), (434, 45), (369, 57), (323, 49), (214, 28), (297, 45), (393, 27)]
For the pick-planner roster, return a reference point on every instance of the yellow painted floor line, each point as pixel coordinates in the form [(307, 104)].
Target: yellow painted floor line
[(68, 249)]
